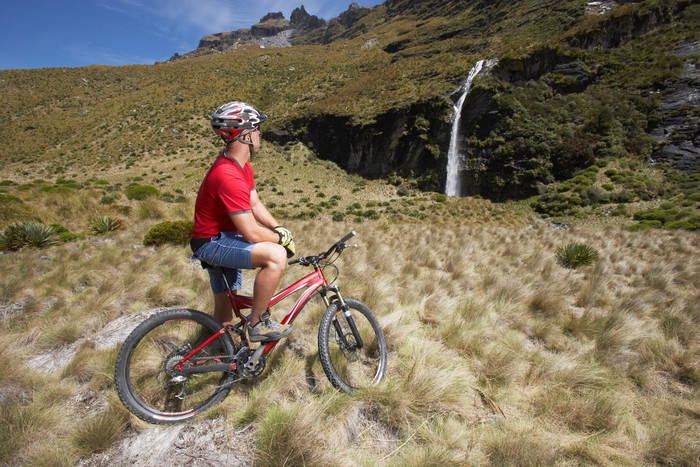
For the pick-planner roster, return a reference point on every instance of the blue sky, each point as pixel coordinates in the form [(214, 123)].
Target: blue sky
[(75, 33)]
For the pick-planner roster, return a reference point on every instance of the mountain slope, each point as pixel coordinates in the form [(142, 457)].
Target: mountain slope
[(376, 100)]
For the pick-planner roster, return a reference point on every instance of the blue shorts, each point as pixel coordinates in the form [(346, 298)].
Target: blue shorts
[(229, 251)]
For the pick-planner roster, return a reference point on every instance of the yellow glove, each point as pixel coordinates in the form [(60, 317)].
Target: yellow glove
[(286, 240)]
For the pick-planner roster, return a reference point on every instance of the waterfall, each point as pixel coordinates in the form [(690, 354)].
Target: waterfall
[(453, 186)]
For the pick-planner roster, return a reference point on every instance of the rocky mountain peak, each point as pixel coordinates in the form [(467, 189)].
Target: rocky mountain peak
[(300, 19)]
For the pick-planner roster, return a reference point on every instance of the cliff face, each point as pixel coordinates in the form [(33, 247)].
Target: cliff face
[(678, 131), (388, 146)]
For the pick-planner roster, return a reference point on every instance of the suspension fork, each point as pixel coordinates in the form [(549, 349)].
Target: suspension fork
[(337, 297)]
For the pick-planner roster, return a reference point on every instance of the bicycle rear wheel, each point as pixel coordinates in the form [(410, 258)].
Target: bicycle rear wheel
[(352, 358), (147, 380)]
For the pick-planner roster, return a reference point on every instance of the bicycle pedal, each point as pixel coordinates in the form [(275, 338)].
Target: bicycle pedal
[(235, 329)]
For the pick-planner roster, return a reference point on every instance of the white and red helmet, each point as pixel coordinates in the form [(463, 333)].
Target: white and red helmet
[(231, 119)]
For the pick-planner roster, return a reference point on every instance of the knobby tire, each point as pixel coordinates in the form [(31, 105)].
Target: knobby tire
[(347, 366), (144, 376)]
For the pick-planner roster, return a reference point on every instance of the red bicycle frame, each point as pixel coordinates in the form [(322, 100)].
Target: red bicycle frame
[(311, 283)]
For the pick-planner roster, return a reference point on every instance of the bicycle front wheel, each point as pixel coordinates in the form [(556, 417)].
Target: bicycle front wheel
[(352, 346), (147, 377)]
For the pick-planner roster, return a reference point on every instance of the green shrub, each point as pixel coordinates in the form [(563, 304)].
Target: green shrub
[(105, 225), (338, 216), (371, 214), (663, 215), (440, 198), (645, 225), (64, 235), (692, 223), (6, 198), (574, 255), (27, 234), (582, 180), (7, 183), (109, 199), (141, 192), (172, 232)]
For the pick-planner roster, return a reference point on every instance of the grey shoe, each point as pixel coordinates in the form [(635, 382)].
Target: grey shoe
[(267, 330)]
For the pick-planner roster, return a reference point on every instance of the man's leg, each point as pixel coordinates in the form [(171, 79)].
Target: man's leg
[(271, 259), (223, 312)]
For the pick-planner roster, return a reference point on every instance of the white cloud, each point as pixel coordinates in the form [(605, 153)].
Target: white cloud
[(86, 54), (211, 16), (204, 17)]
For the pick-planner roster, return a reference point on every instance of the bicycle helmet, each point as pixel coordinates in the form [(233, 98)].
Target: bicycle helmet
[(233, 118)]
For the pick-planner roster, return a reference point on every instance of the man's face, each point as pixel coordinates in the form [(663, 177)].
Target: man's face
[(255, 138)]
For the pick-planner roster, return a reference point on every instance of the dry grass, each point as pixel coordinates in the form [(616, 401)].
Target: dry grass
[(497, 353)]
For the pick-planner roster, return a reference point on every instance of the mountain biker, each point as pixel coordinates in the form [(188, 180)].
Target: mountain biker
[(232, 227)]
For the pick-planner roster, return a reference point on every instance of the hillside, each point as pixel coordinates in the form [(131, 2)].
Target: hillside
[(572, 87), (502, 350)]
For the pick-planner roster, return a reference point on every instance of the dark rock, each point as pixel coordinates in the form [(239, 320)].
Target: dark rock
[(575, 72), (521, 70), (273, 17), (678, 133), (300, 19), (386, 146), (346, 24), (619, 29)]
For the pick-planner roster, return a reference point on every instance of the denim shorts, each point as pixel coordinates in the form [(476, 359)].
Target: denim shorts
[(229, 251)]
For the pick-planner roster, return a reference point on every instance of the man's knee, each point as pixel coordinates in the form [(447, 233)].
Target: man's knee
[(269, 255)]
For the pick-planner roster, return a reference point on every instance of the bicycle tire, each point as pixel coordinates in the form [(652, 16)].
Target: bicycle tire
[(141, 375), (352, 367)]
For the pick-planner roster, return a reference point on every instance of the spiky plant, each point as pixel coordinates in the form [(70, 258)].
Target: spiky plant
[(574, 255), (105, 225), (27, 234)]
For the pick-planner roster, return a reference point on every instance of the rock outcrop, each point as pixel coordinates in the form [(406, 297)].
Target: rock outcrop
[(678, 132), (274, 30)]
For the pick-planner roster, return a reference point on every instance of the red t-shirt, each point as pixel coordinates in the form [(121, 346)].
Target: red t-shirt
[(225, 190)]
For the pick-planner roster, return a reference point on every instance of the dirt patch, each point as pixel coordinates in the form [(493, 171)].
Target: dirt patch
[(208, 442), (114, 333)]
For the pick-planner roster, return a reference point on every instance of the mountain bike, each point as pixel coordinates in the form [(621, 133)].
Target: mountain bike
[(180, 362)]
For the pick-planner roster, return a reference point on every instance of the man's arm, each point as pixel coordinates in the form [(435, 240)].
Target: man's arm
[(260, 212), (252, 231)]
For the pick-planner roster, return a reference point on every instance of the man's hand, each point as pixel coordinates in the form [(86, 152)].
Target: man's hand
[(286, 240)]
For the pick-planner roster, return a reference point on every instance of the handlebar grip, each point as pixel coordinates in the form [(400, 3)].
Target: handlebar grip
[(348, 237), (294, 261)]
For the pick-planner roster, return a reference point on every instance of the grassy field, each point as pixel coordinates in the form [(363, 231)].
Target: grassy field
[(498, 353), (501, 351)]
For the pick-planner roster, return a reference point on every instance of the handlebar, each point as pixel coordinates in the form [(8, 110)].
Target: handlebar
[(338, 247)]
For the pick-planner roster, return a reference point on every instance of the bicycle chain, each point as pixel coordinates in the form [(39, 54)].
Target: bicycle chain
[(214, 357)]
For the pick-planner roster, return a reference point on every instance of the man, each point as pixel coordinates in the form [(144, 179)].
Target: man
[(234, 230)]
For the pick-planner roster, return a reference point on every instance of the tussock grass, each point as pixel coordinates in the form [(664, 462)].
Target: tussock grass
[(290, 434), (425, 384), (98, 434), (498, 354)]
